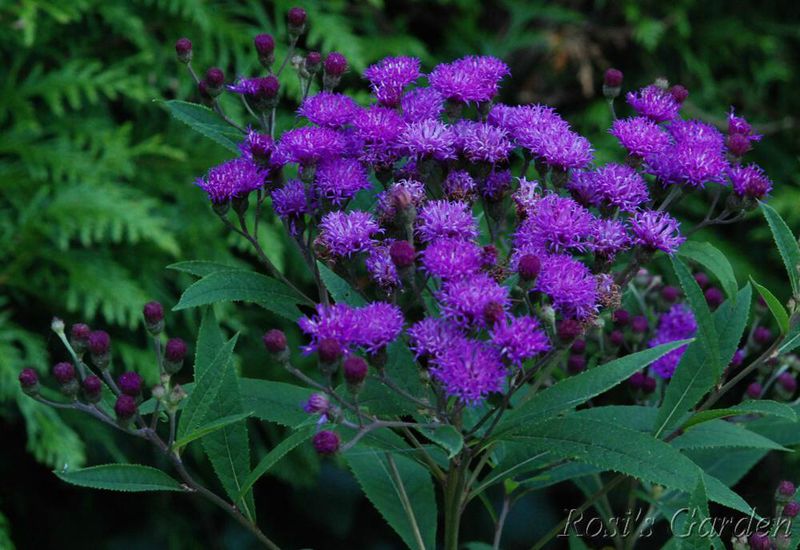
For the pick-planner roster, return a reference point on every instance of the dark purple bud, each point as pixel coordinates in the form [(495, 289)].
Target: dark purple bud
[(621, 317), (174, 354), (402, 254), (29, 381), (355, 370), (578, 346), (313, 62), (265, 44), (125, 407), (215, 77), (493, 313), (100, 347), (670, 294), (576, 364), (64, 372), (183, 48), (714, 297), (92, 388), (326, 442), (617, 338), (636, 380), (648, 384), (754, 390), (529, 267), (738, 144), (679, 93), (203, 91), (329, 350), (759, 541), (639, 324), (130, 383), (489, 255), (153, 317), (762, 336), (335, 64), (296, 17), (317, 403), (268, 87), (613, 78), (702, 279), (788, 382), (568, 330), (79, 337), (786, 489), (737, 359), (791, 509), (275, 341)]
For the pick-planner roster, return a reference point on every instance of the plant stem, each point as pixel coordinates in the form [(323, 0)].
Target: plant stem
[(453, 494), (498, 530)]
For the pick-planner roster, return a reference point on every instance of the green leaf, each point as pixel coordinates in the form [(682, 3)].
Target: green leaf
[(777, 309), (705, 326), (237, 285), (573, 391), (625, 451), (692, 536), (340, 290), (401, 490), (694, 375), (792, 340), (273, 457), (723, 434), (755, 406), (558, 474), (203, 120), (729, 466), (447, 437), (121, 477), (787, 245), (275, 401), (211, 427), (715, 261), (201, 268)]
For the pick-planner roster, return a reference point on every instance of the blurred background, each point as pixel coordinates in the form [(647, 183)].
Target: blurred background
[(96, 199)]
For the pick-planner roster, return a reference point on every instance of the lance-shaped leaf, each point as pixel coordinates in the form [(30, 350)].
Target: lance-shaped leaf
[(775, 307), (121, 477), (787, 245), (206, 122), (210, 428), (715, 261)]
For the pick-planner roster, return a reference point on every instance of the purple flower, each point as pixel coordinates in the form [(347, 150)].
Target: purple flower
[(609, 237), (691, 163), (750, 181), (339, 323), (696, 131), (503, 116), (257, 147), (231, 179), (344, 234), (428, 138), (339, 179), (465, 300), (401, 194), (329, 109), (432, 336), (526, 196), (459, 185), (565, 150), (656, 231), (640, 136), (655, 103), (309, 145), (130, 383), (379, 128), (738, 125), (471, 78), (443, 218), (469, 370), (676, 324), (389, 77), (570, 285), (381, 267), (449, 258), (555, 224), (481, 142), (292, 201), (520, 339), (422, 104), (621, 186), (495, 184), (258, 88), (378, 325), (583, 188)]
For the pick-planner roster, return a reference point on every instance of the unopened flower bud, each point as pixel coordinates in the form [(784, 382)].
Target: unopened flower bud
[(64, 372), (759, 541), (679, 93), (329, 351), (791, 509), (29, 381), (99, 345), (355, 372), (79, 337), (639, 324), (636, 381), (714, 297), (568, 330), (621, 317), (788, 383), (402, 254), (326, 442), (313, 62), (578, 346), (738, 144), (737, 359), (493, 313), (529, 267), (265, 47), (612, 83), (670, 294), (335, 65), (92, 389), (754, 390), (275, 342), (762, 336), (649, 384), (617, 338), (215, 78), (174, 353), (317, 403), (130, 383), (576, 364), (489, 255), (57, 325), (785, 491), (702, 279), (183, 49), (153, 313), (125, 408), (177, 395), (296, 18)]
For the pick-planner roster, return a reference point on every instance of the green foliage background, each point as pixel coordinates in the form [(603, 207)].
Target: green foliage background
[(96, 196)]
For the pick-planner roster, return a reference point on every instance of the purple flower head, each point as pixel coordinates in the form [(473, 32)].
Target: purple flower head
[(231, 179), (531, 124), (422, 104), (428, 138), (555, 224), (469, 370), (750, 181), (656, 231), (609, 237), (443, 218), (570, 285), (326, 442), (526, 196), (381, 268), (257, 147), (335, 64), (432, 336), (64, 372), (378, 128), (317, 403), (389, 77), (449, 258), (689, 162), (640, 136), (130, 383), (378, 324), (676, 324), (329, 109), (621, 186), (495, 184), (400, 195), (338, 323), (339, 179), (471, 78), (125, 407), (459, 185), (309, 145), (465, 300), (520, 339), (738, 125), (259, 88), (503, 116), (346, 233), (654, 102), (565, 150), (696, 131), (292, 201), (481, 142)]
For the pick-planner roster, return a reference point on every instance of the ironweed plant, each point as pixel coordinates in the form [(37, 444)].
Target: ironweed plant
[(488, 316)]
